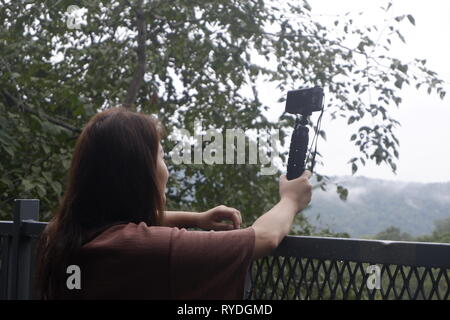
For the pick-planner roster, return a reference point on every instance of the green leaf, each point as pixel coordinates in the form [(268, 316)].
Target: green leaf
[(393, 166), (401, 36), (9, 150), (27, 185), (41, 191), (361, 46), (47, 176), (403, 68), (354, 168), (343, 193), (388, 6), (351, 120), (323, 134), (56, 187), (6, 181), (46, 148), (66, 164), (36, 123)]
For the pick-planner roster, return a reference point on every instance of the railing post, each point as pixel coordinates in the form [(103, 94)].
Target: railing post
[(6, 227), (20, 277)]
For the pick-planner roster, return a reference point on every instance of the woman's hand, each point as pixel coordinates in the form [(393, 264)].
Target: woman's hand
[(298, 191), (214, 218)]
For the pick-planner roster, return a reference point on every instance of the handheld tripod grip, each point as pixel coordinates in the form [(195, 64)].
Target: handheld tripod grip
[(297, 152)]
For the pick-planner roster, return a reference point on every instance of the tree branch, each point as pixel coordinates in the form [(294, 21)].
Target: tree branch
[(10, 99), (332, 42), (139, 73), (53, 120)]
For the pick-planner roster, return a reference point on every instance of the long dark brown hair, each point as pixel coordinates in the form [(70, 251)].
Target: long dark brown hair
[(112, 180)]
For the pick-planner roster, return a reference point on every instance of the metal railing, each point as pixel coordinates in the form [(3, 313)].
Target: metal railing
[(301, 268), (307, 268), (17, 243)]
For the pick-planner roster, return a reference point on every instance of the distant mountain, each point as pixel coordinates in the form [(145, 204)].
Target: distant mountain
[(374, 205)]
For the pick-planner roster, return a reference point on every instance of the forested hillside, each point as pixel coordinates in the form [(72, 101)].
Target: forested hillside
[(375, 205)]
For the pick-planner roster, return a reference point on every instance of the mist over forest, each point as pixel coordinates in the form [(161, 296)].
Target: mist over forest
[(375, 205)]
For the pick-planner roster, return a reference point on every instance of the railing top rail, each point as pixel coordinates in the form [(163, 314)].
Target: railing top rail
[(6, 227), (418, 254), (29, 228)]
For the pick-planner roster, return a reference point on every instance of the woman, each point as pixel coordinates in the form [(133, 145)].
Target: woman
[(112, 224)]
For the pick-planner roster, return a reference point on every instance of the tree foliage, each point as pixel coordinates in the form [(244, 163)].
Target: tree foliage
[(183, 60), (441, 232), (393, 234)]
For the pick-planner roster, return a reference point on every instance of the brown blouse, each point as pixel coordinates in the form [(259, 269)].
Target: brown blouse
[(134, 261)]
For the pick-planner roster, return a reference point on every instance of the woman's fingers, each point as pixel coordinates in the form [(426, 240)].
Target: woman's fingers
[(226, 213), (234, 217)]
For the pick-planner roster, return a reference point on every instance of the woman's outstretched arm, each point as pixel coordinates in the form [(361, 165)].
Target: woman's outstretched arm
[(274, 225), (180, 219)]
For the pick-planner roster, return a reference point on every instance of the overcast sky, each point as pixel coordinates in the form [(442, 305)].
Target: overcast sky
[(425, 132)]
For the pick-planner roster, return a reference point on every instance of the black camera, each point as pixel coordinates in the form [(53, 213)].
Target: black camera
[(304, 101)]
